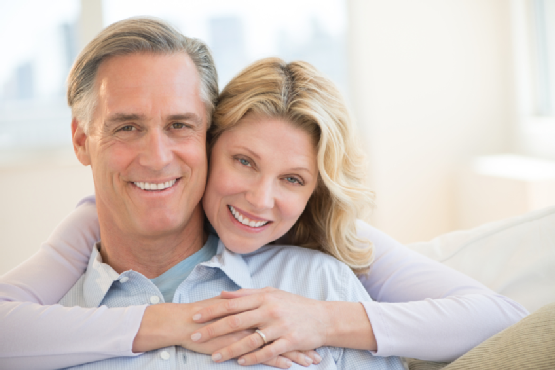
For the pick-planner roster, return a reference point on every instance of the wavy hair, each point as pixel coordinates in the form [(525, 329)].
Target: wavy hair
[(299, 94)]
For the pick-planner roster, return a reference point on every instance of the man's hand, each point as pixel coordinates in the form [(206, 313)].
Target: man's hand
[(288, 321)]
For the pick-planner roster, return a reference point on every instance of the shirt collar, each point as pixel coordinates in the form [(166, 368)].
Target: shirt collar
[(233, 265), (98, 279), (99, 276)]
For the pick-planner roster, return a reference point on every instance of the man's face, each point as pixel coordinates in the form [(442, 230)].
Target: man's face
[(147, 144)]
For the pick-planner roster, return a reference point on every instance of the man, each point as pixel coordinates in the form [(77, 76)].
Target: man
[(142, 96)]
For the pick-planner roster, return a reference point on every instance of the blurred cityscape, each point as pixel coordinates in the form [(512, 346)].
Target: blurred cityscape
[(33, 110)]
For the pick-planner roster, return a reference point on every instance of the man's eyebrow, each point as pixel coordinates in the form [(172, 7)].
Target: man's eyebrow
[(124, 117), (188, 117)]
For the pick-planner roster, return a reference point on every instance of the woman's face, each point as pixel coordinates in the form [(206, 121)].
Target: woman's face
[(262, 173)]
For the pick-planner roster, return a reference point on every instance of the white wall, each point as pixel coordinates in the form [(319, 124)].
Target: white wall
[(431, 87), (35, 197)]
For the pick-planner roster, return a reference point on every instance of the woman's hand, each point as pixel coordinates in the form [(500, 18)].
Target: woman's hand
[(289, 323), (169, 324)]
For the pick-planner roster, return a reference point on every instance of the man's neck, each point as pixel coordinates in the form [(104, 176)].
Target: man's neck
[(151, 255)]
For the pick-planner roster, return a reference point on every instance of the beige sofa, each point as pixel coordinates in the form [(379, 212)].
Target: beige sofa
[(514, 257)]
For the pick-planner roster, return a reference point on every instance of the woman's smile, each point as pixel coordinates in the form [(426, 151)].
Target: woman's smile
[(247, 220)]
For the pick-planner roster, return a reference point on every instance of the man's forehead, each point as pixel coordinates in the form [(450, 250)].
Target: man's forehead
[(150, 84), (134, 70)]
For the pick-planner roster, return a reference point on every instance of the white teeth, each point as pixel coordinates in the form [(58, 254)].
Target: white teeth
[(151, 186), (245, 220)]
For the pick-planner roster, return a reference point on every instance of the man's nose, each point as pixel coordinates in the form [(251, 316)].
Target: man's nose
[(157, 152), (261, 196)]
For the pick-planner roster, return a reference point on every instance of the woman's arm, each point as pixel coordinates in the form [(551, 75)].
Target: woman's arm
[(39, 334), (29, 314), (415, 296), (422, 309)]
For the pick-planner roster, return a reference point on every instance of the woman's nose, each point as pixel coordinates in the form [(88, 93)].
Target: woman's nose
[(261, 195)]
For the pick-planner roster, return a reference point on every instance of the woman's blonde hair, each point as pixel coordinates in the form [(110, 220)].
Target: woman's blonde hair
[(299, 94)]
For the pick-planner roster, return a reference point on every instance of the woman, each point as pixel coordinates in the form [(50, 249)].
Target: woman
[(337, 197)]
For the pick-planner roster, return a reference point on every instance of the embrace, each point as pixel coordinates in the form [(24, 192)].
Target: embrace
[(225, 229)]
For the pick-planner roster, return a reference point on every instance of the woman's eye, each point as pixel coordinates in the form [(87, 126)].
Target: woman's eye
[(244, 162), (294, 180)]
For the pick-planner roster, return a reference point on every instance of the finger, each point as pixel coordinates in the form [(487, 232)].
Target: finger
[(242, 293), (229, 324), (266, 353), (279, 362), (227, 307), (315, 356), (299, 357), (248, 345)]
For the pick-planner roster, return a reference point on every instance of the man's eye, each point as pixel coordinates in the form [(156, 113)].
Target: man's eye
[(178, 125), (126, 128)]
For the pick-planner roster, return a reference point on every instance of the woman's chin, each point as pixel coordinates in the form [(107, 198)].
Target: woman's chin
[(242, 247)]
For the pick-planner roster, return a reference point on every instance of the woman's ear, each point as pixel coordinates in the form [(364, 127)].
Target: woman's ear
[(80, 138)]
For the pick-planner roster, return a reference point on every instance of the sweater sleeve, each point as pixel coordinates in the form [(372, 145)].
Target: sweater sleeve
[(426, 310), (36, 332)]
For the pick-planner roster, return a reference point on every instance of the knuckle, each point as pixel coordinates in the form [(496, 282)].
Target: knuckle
[(253, 341), (294, 338), (207, 311), (234, 322), (231, 352), (272, 351), (230, 305), (275, 312), (210, 331)]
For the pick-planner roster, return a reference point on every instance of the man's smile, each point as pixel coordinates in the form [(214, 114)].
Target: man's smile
[(155, 186)]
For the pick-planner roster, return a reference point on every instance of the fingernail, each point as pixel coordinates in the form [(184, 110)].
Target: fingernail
[(216, 357), (241, 361), (196, 317), (288, 363), (196, 337), (318, 358), (308, 359)]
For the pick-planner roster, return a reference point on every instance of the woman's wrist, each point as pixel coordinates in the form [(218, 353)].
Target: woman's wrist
[(163, 325), (348, 326)]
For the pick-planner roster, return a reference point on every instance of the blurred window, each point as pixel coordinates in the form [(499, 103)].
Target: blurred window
[(543, 41), (534, 46), (39, 45), (41, 37)]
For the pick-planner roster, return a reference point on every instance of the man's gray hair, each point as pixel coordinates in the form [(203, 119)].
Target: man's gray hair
[(130, 36)]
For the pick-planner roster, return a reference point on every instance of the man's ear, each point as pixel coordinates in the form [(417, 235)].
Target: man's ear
[(80, 146)]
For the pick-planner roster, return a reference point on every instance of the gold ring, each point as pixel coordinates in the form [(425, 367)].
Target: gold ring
[(262, 336)]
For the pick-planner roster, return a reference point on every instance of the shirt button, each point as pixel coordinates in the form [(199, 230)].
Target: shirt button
[(165, 355), (124, 279), (155, 299)]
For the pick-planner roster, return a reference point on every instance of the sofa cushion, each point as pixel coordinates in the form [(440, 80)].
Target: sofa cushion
[(528, 344), (514, 257)]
